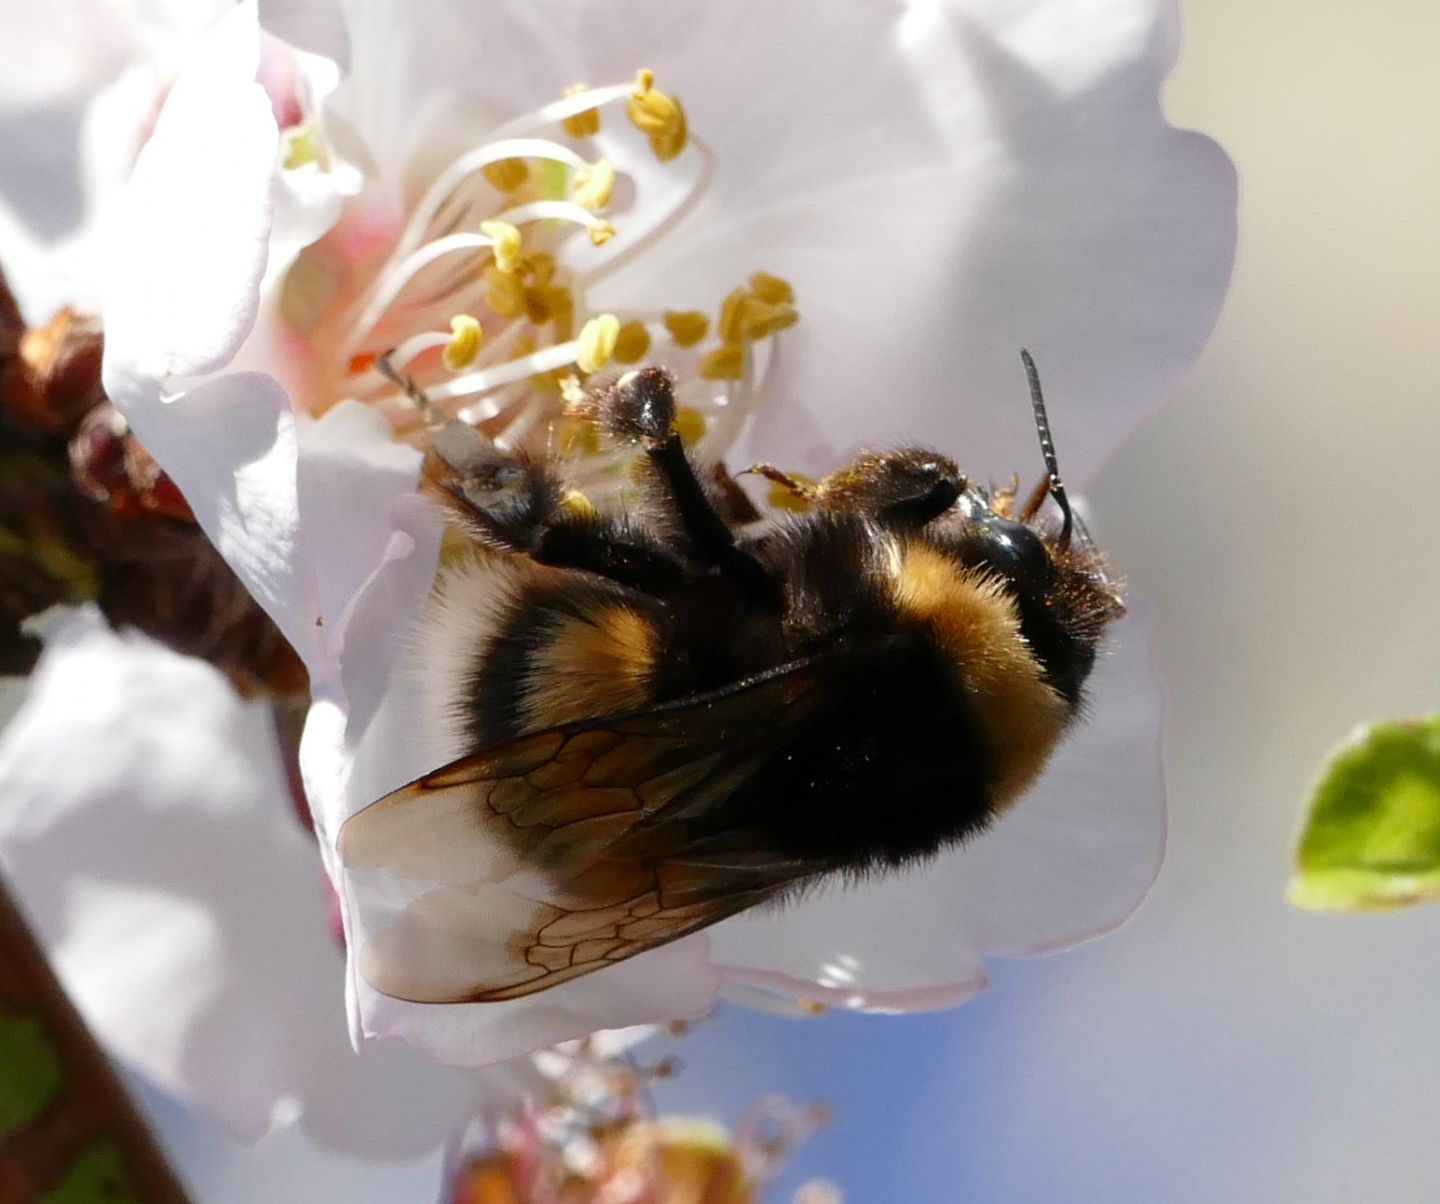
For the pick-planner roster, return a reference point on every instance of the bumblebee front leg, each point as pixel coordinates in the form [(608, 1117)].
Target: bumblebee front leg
[(511, 502), (639, 408)]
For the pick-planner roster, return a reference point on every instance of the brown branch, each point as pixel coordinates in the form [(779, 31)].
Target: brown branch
[(68, 1130)]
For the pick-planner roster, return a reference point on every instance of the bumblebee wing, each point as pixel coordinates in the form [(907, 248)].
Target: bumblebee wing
[(557, 853)]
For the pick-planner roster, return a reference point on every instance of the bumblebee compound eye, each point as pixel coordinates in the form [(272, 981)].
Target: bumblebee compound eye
[(1011, 549), (910, 487)]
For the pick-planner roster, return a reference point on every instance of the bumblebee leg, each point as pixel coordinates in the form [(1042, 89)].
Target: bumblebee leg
[(800, 493), (639, 408), (511, 502), (729, 500)]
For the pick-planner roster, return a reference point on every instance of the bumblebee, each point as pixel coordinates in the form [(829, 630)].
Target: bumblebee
[(676, 712)]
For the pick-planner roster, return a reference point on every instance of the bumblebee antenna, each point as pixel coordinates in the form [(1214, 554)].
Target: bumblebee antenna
[(411, 390), (1047, 448)]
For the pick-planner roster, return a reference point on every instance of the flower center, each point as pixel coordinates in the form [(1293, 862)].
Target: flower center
[(474, 305)]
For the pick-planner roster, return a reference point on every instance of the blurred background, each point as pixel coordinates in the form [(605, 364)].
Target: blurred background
[(1279, 518)]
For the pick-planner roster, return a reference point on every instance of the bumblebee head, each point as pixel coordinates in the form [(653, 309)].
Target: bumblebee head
[(1058, 580)]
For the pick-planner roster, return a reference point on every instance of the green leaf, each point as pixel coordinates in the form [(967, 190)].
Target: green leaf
[(97, 1176), (30, 1071), (1373, 836)]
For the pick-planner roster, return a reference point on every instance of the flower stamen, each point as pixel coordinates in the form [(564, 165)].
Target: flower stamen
[(464, 342), (657, 115), (584, 124)]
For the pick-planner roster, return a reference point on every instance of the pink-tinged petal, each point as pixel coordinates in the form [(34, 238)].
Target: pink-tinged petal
[(146, 824), (189, 245), (1070, 861)]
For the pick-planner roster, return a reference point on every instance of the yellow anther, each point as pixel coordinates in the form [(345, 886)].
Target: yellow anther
[(576, 503), (540, 267), (686, 327), (597, 342), (601, 233), (632, 343), (506, 175), (785, 496), (507, 244), (594, 185), (730, 325), (506, 295), (657, 115), (725, 362), (561, 304), (760, 319), (300, 146), (464, 344), (781, 498), (772, 289), (585, 124), (552, 384), (689, 424), (537, 305)]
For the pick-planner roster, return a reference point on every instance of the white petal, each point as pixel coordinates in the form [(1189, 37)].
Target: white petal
[(945, 184), (189, 247), (315, 26), (673, 982), (1071, 860), (146, 825), (56, 51)]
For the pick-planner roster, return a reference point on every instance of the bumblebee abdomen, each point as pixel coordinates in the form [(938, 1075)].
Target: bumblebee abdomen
[(892, 766)]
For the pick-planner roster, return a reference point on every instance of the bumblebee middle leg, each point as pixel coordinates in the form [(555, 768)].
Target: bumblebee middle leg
[(511, 502), (639, 408)]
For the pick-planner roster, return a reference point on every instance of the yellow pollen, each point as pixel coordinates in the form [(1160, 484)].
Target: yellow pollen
[(657, 115), (725, 362), (597, 342), (576, 399), (601, 233), (581, 125), (689, 424), (507, 244), (576, 503), (506, 295), (632, 343), (594, 185), (506, 175), (772, 289), (464, 344), (686, 327)]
